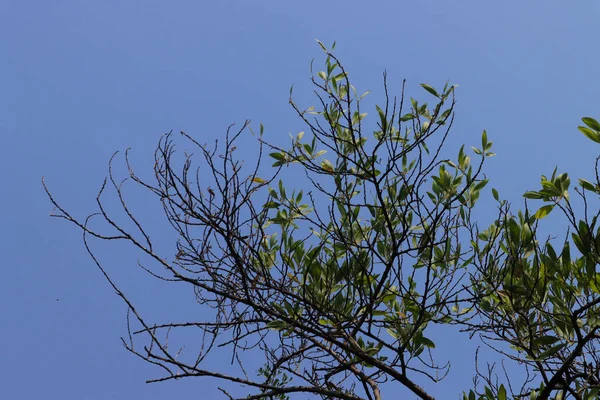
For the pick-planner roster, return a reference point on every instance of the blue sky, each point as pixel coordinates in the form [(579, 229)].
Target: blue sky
[(81, 79)]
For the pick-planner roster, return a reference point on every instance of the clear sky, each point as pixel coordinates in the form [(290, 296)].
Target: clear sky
[(82, 79)]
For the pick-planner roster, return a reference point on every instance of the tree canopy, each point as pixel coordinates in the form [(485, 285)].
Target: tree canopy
[(336, 279)]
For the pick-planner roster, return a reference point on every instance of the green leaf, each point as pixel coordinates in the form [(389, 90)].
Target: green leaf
[(445, 114), (446, 320), (502, 393), (430, 90), (533, 395), (580, 245), (595, 283), (591, 394), (563, 182), (566, 255), (593, 135), (515, 232), (278, 156), (322, 75), (392, 333), (480, 185), (546, 340), (485, 305), (550, 352), (271, 204), (587, 185), (328, 166), (544, 211), (322, 45), (592, 123), (495, 194), (533, 195), (277, 325), (427, 343), (382, 117)]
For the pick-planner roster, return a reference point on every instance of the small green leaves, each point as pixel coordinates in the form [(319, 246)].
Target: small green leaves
[(382, 118), (582, 245), (595, 283), (277, 325), (592, 131), (522, 281), (430, 89), (545, 340), (514, 231), (533, 195), (495, 194), (484, 140), (550, 352), (271, 204), (356, 118), (328, 166), (593, 135), (544, 211), (502, 393), (322, 45), (471, 396), (407, 117), (281, 158), (463, 160), (587, 185), (486, 146), (592, 123), (553, 189)]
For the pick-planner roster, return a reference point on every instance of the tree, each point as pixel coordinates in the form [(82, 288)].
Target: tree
[(336, 288)]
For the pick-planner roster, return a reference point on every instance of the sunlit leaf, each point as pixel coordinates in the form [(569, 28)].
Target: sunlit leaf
[(587, 185), (544, 211), (502, 393), (321, 44), (592, 123), (328, 166), (277, 325), (533, 195), (591, 134), (495, 194), (430, 89)]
